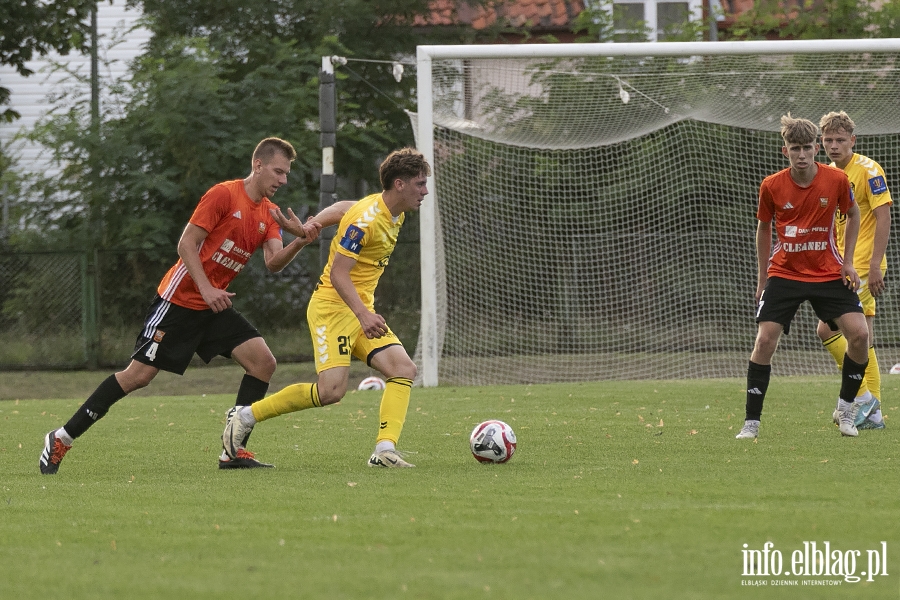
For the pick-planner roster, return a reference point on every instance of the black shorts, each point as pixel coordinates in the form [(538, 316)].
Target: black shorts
[(172, 334), (782, 297)]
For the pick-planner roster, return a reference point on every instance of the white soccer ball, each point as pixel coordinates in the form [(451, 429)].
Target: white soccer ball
[(895, 370), (492, 442), (371, 383)]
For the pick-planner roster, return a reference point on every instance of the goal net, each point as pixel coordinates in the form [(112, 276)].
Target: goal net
[(592, 209)]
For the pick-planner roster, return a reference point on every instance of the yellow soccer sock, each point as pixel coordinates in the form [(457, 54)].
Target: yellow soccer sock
[(873, 375), (837, 347), (394, 404), (295, 397)]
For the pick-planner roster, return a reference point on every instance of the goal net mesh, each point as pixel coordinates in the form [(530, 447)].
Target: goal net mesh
[(596, 216)]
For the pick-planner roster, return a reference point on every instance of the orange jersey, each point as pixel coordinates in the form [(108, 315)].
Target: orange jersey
[(805, 248), (236, 226)]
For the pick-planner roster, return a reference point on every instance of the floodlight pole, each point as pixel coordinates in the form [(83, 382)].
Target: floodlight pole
[(327, 140)]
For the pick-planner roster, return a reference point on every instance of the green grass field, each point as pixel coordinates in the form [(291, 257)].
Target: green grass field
[(617, 490)]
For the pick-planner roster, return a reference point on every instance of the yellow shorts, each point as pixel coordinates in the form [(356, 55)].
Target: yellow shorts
[(867, 300), (337, 335)]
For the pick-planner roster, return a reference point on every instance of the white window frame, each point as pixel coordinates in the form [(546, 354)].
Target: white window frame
[(695, 10)]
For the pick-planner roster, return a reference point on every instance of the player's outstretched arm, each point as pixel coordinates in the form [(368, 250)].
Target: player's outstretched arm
[(308, 231), (277, 256), (333, 214)]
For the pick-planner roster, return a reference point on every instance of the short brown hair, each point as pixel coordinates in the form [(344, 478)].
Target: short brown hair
[(798, 131), (404, 164), (270, 146), (835, 121)]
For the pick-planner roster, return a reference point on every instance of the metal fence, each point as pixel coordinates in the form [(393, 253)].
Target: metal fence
[(76, 310)]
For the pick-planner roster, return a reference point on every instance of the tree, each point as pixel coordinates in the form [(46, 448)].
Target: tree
[(217, 77), (371, 102), (32, 27), (819, 19)]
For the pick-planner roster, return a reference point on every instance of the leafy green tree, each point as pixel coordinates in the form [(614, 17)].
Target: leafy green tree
[(217, 77), (370, 102), (34, 27), (181, 126), (819, 19)]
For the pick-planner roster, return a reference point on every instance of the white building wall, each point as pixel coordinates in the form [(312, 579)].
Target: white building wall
[(30, 96)]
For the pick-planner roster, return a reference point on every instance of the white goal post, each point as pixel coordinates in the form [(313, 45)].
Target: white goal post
[(592, 206)]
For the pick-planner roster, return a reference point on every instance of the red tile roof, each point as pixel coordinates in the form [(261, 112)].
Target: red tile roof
[(534, 17), (530, 14)]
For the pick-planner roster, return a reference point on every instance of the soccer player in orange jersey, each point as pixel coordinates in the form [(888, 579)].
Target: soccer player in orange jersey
[(871, 193), (192, 312), (805, 265)]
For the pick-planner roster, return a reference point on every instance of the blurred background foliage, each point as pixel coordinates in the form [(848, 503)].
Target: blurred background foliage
[(215, 78)]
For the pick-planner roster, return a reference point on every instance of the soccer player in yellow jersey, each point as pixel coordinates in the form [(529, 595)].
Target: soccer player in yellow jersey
[(342, 318), (874, 199)]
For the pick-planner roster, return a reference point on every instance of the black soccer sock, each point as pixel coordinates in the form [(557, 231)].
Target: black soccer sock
[(757, 383), (251, 390), (852, 375), (95, 407)]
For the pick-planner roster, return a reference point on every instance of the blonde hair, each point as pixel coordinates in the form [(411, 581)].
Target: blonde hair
[(798, 131), (836, 121), (269, 147)]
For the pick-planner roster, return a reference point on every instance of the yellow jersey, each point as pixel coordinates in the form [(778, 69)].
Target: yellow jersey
[(870, 190), (367, 234)]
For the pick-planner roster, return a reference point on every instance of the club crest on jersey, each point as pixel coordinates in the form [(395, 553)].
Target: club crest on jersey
[(823, 202), (158, 336), (352, 239), (878, 185), (262, 227)]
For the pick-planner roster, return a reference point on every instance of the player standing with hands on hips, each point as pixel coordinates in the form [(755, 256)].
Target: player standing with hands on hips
[(342, 318), (874, 200), (192, 312), (805, 265)]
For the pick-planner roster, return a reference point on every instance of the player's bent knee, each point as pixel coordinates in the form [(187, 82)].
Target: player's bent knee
[(858, 343), (856, 333), (402, 368), (256, 358), (131, 379), (330, 394), (764, 350), (265, 368), (409, 370)]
